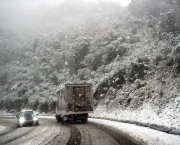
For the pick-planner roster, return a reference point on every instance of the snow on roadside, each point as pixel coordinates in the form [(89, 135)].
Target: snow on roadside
[(4, 113), (140, 134), (145, 116), (49, 117), (2, 128)]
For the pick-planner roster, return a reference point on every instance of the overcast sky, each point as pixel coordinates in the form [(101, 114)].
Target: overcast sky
[(122, 2)]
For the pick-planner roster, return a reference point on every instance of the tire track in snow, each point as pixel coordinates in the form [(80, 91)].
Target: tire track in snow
[(13, 135), (75, 138), (91, 135)]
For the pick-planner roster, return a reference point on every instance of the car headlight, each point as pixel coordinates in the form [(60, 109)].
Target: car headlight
[(21, 120), (35, 118)]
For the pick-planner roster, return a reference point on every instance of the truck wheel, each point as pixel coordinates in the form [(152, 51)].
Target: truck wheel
[(83, 120), (59, 120), (72, 121)]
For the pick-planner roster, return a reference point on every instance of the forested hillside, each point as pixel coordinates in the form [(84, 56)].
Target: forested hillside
[(131, 55)]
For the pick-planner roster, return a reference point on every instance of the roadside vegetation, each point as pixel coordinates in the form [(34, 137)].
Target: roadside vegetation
[(130, 55)]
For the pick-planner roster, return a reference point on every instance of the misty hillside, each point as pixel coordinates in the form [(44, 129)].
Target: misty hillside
[(131, 55)]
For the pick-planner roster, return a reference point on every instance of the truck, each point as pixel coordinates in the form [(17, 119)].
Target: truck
[(74, 102)]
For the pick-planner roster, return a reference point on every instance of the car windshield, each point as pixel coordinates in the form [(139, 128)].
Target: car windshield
[(27, 113)]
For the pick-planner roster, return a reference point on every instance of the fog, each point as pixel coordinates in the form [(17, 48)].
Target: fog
[(130, 55), (21, 14), (31, 17)]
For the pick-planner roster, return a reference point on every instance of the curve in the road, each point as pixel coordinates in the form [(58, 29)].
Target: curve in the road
[(13, 135), (7, 130), (92, 135), (75, 138), (49, 132), (122, 140)]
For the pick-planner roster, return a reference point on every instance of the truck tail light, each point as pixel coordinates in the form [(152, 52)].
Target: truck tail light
[(57, 116)]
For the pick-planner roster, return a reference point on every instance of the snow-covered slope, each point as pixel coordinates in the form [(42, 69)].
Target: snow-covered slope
[(132, 62)]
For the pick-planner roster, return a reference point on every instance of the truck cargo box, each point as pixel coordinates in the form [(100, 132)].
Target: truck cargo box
[(74, 99)]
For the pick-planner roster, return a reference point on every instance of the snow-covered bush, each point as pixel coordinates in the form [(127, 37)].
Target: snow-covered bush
[(128, 59), (135, 24), (44, 106), (84, 74), (80, 49), (106, 38), (116, 81), (176, 58), (109, 54), (93, 60), (176, 54), (169, 22), (136, 71), (34, 104), (14, 103), (148, 7)]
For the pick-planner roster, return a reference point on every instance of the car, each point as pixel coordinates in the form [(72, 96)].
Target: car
[(27, 117)]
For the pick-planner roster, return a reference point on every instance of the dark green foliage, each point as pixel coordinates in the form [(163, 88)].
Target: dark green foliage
[(35, 44), (157, 59), (116, 81), (15, 104), (169, 17), (169, 22), (136, 71), (106, 38), (3, 78), (44, 107), (35, 104), (3, 104), (176, 59), (11, 48), (22, 92), (109, 54), (80, 49), (36, 78), (173, 2), (52, 106), (54, 79), (93, 61), (176, 54), (88, 44), (84, 74)]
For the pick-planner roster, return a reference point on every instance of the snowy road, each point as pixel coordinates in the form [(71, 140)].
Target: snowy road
[(51, 132), (42, 134), (96, 132)]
